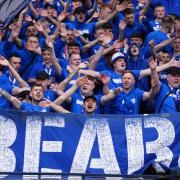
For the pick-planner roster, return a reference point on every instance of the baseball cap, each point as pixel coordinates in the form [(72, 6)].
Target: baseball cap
[(175, 71), (90, 97)]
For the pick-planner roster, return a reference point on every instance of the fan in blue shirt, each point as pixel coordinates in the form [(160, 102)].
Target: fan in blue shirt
[(132, 25), (167, 99), (136, 61), (29, 55), (162, 34), (37, 103), (128, 101), (159, 13), (87, 86), (47, 65)]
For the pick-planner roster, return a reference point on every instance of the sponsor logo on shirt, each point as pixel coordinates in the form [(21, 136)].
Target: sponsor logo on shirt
[(79, 102), (117, 81), (72, 82), (133, 100)]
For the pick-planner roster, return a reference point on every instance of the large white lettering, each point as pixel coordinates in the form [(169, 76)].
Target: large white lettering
[(166, 135), (135, 146), (52, 146), (107, 160), (32, 144), (8, 133)]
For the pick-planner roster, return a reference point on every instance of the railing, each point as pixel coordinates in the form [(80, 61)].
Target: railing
[(174, 175)]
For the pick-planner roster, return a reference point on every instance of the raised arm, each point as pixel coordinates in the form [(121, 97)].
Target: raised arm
[(145, 8), (155, 83), (6, 63), (164, 43), (110, 96), (93, 9), (13, 100), (147, 72), (86, 47), (70, 91), (119, 8), (65, 82), (105, 80), (94, 59), (57, 108), (122, 26), (54, 60)]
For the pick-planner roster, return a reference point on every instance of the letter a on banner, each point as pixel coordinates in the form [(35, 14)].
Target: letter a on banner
[(107, 160)]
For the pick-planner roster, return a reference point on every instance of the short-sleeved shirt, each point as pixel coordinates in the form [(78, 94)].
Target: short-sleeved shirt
[(77, 103), (29, 107), (128, 103), (168, 105), (5, 85), (42, 67)]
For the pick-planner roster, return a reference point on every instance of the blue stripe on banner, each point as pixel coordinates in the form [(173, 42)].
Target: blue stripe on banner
[(103, 144), (9, 9)]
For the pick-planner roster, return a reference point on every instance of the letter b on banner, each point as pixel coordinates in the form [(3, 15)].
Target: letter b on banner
[(8, 133)]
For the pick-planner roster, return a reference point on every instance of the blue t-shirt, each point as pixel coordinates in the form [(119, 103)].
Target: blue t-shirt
[(116, 79), (11, 80), (29, 107), (83, 28), (50, 94), (77, 103), (42, 67), (155, 25), (169, 105), (28, 58), (5, 85), (158, 37), (128, 103), (135, 28)]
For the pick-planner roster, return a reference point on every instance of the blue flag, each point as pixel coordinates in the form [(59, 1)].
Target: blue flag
[(9, 9), (100, 144)]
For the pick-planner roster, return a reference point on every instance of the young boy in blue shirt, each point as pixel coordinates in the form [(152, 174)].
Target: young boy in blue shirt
[(159, 12)]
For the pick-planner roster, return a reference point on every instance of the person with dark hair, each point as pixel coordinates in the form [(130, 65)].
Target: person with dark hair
[(163, 58), (72, 47), (132, 26), (37, 104), (119, 66), (80, 20), (76, 97), (43, 79), (29, 54), (49, 64), (136, 61), (4, 82), (15, 62), (176, 48)]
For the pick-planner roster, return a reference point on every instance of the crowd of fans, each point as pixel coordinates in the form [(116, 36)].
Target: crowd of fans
[(91, 56)]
